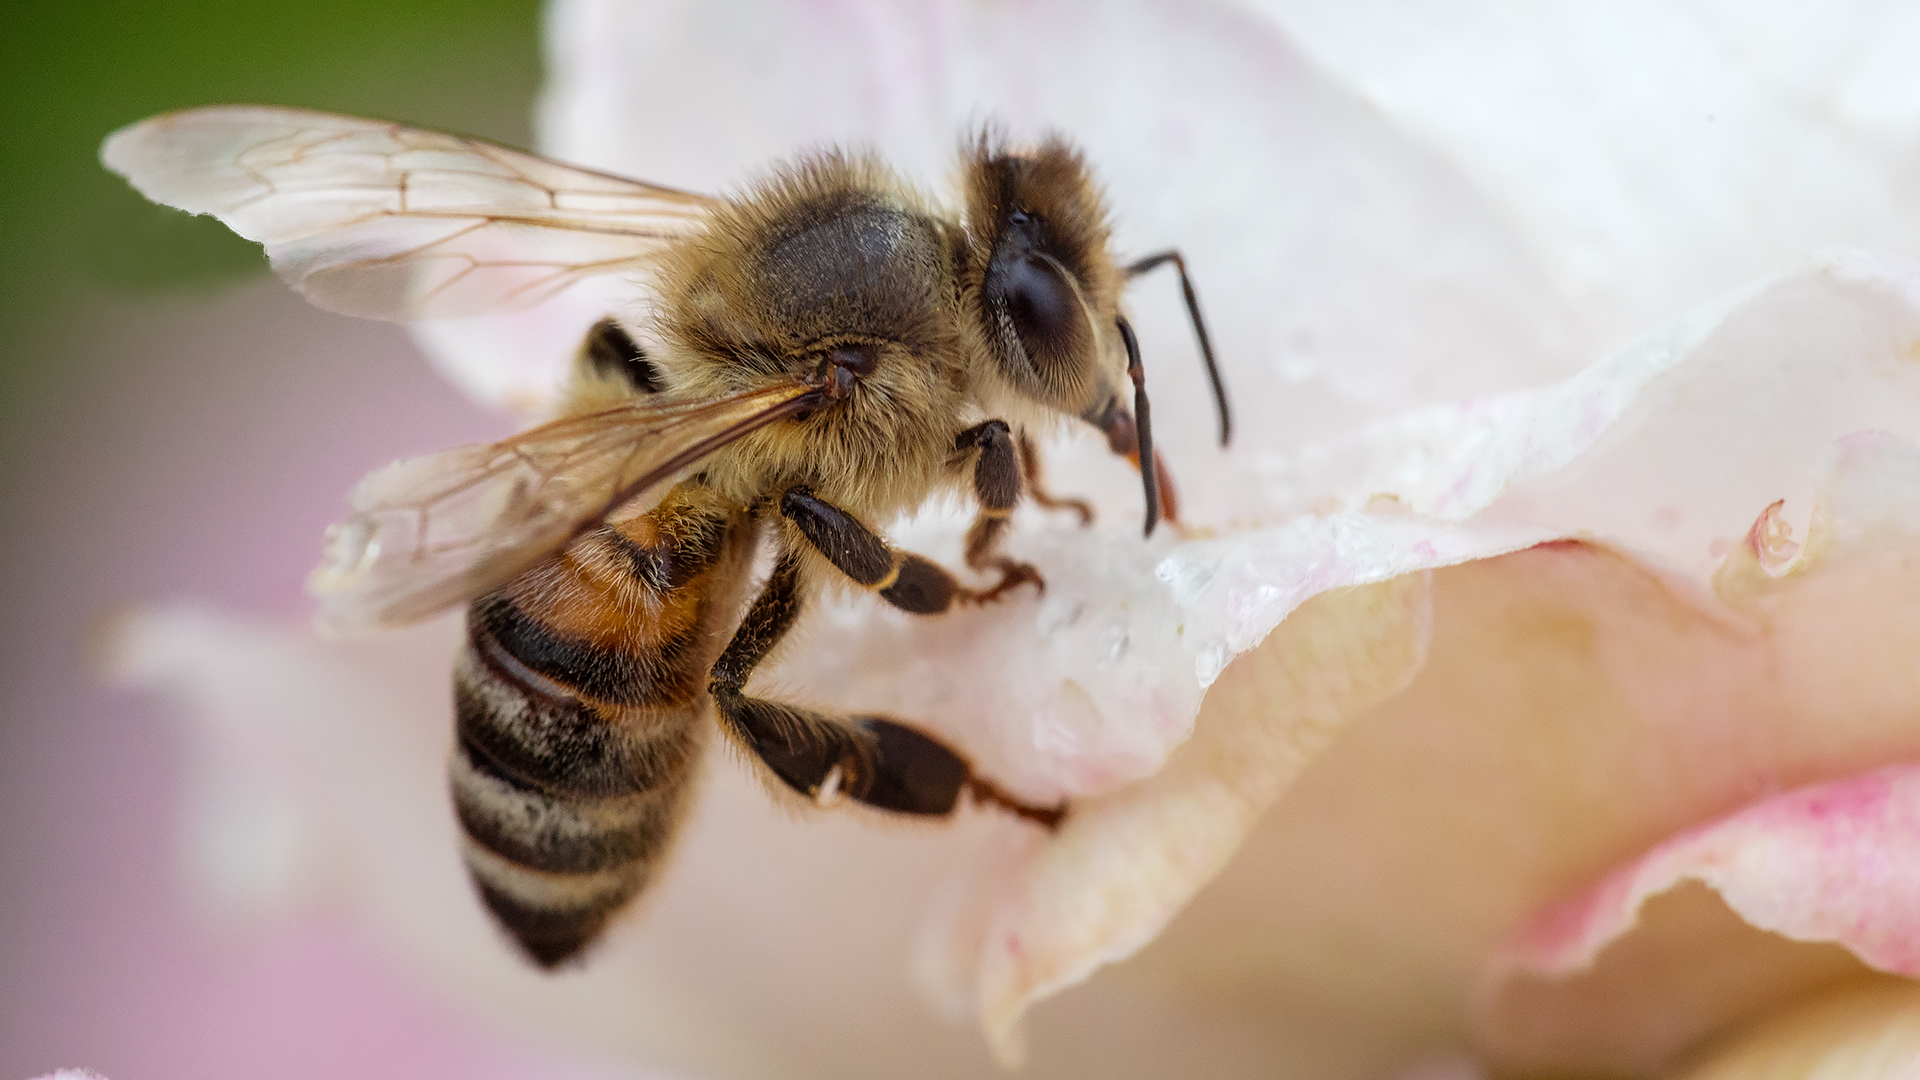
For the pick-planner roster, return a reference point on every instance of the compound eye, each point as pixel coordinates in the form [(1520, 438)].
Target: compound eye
[(1046, 314)]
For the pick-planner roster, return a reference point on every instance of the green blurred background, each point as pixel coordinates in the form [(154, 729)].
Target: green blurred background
[(70, 73)]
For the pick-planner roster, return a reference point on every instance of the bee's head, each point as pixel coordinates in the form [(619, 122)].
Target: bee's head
[(1045, 285)]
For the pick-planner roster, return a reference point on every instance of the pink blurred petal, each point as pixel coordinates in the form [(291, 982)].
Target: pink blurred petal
[(1836, 863), (285, 804), (1573, 709)]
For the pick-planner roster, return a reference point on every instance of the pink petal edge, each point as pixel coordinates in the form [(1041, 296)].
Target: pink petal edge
[(1836, 862)]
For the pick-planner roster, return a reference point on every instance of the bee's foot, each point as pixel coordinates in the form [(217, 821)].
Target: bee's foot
[(1012, 576), (1079, 506), (986, 793)]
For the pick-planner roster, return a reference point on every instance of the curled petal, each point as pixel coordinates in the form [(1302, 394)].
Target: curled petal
[(1573, 709), (1768, 378), (1645, 961), (1770, 540), (1123, 864)]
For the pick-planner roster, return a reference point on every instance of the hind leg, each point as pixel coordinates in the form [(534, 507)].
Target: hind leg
[(880, 762)]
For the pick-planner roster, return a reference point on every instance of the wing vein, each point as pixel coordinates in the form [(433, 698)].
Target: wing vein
[(361, 215)]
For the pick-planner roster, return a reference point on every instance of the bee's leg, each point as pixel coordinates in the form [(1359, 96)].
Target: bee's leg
[(907, 581), (1036, 487), (610, 353), (880, 762), (996, 483)]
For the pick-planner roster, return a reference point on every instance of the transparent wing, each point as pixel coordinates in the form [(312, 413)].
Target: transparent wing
[(372, 218), (434, 531)]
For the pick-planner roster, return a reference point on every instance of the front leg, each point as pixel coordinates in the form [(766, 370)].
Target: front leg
[(996, 484), (909, 582), (880, 762)]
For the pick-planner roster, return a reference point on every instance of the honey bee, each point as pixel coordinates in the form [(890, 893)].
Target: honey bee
[(827, 351)]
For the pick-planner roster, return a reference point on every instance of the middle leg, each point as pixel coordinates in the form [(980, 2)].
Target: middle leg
[(913, 582)]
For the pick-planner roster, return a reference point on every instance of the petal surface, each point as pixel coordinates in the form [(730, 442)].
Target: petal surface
[(1486, 478), (1650, 155), (1123, 864), (1301, 212)]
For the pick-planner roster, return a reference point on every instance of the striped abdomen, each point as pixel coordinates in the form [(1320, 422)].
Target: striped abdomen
[(579, 697)]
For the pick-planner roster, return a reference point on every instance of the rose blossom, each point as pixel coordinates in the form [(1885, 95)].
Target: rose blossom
[(1533, 686)]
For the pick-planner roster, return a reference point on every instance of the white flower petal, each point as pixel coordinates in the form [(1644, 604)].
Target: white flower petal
[(1650, 154), (1790, 369), (1302, 213), (287, 799), (771, 947)]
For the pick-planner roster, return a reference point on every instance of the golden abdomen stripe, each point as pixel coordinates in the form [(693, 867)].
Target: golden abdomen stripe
[(575, 754)]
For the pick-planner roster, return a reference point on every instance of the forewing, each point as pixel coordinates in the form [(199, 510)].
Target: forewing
[(431, 532), (373, 218)]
